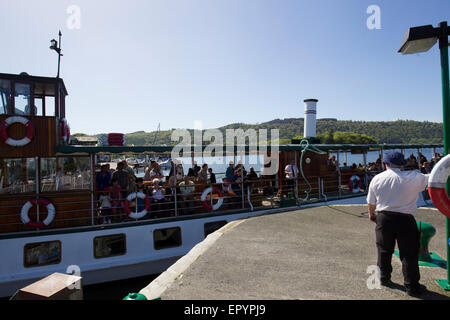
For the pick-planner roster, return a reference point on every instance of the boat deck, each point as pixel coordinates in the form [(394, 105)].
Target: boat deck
[(319, 252)]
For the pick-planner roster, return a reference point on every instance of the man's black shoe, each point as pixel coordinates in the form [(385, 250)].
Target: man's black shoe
[(416, 291)]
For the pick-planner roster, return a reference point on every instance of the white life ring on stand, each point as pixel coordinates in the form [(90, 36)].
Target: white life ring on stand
[(355, 184), (143, 212), (14, 142), (206, 204), (436, 185), (41, 224)]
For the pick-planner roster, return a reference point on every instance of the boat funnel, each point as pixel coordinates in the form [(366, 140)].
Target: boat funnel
[(310, 118)]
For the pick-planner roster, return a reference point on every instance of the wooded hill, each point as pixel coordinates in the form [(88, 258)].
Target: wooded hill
[(328, 130)]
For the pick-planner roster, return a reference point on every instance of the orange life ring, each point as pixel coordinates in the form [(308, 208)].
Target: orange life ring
[(41, 224), (436, 185), (14, 142)]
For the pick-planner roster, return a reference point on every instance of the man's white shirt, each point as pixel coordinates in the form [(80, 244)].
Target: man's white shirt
[(396, 190)]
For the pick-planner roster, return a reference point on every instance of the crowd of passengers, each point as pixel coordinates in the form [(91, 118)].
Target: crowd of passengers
[(114, 186), (360, 172)]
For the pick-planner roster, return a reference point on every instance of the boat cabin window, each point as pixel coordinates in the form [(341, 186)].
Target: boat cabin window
[(22, 100), (26, 97), (5, 96), (167, 238), (17, 175), (110, 245), (65, 173), (42, 254)]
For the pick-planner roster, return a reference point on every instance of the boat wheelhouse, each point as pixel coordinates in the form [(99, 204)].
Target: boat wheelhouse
[(51, 219)]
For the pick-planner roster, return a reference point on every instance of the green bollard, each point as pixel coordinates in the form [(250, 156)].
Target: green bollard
[(135, 296), (427, 231)]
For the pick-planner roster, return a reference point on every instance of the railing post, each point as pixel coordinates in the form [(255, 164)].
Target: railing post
[(339, 176), (366, 178), (37, 186), (175, 194), (91, 157)]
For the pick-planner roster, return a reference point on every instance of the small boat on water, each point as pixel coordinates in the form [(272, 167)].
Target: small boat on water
[(52, 218)]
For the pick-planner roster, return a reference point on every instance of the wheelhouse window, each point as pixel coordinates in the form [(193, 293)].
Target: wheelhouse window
[(22, 100), (167, 238), (110, 245), (5, 97), (42, 253), (65, 173), (17, 175)]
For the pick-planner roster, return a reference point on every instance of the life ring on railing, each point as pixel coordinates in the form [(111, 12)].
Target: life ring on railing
[(41, 224), (354, 183), (143, 212), (436, 185), (65, 131), (14, 142), (206, 204)]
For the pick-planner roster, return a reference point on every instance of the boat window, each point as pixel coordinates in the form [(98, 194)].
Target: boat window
[(110, 245), (42, 253), (22, 100), (65, 173), (5, 96), (210, 227), (167, 238), (17, 175)]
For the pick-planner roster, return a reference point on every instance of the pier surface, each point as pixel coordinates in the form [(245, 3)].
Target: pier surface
[(313, 253)]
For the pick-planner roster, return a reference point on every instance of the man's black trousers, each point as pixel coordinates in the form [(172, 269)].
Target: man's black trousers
[(392, 227)]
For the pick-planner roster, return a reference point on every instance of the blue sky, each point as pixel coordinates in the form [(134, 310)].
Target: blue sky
[(134, 64)]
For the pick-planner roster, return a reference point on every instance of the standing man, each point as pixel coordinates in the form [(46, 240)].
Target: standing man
[(291, 172), (392, 204)]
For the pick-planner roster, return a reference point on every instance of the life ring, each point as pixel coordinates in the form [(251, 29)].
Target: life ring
[(143, 212), (354, 185), (206, 204), (436, 185), (65, 130), (14, 142), (41, 224)]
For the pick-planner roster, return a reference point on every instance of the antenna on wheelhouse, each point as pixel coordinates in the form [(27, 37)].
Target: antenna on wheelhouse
[(55, 45)]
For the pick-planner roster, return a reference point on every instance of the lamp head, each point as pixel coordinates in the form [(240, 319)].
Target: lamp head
[(419, 39)]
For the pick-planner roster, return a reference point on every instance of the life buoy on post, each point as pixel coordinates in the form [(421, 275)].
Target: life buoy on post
[(14, 142), (206, 204), (41, 224), (436, 185), (65, 130), (143, 212)]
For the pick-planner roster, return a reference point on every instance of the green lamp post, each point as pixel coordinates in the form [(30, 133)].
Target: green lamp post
[(421, 39)]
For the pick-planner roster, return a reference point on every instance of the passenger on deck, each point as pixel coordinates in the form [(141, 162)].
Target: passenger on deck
[(156, 172), (179, 171), (157, 199), (102, 178), (291, 173), (212, 176), (105, 206), (195, 168), (131, 183), (191, 173), (187, 189), (122, 178), (127, 168), (202, 176)]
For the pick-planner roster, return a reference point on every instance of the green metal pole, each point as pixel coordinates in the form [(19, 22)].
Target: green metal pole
[(443, 46)]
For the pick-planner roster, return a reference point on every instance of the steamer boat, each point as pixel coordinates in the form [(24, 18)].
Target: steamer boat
[(51, 220)]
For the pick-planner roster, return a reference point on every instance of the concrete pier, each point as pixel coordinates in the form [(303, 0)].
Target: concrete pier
[(313, 253)]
